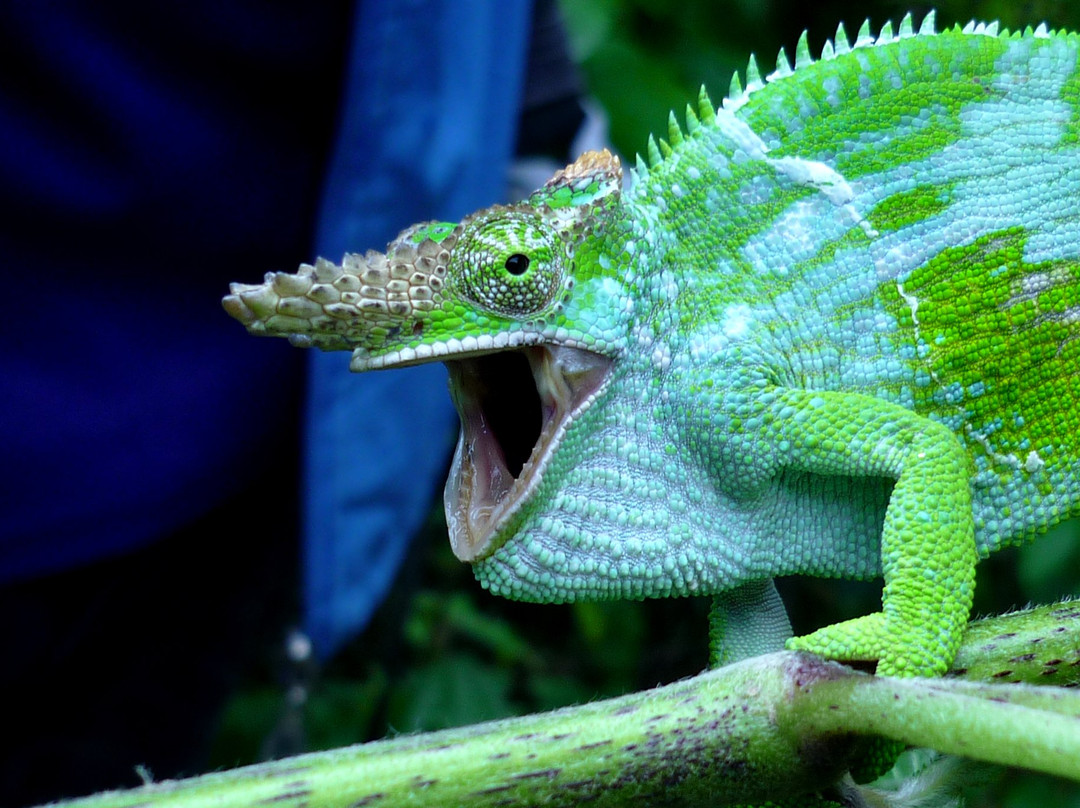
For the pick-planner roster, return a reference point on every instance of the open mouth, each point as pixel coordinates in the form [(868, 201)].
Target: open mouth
[(514, 408)]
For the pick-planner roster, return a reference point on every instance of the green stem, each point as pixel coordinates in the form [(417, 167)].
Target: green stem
[(765, 729), (715, 734), (1009, 725)]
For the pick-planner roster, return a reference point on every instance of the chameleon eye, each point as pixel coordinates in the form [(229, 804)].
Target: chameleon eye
[(509, 264), (517, 264)]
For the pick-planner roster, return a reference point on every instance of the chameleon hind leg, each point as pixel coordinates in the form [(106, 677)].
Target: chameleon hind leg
[(928, 550), (747, 621)]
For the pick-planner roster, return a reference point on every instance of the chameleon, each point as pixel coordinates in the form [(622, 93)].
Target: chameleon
[(829, 327)]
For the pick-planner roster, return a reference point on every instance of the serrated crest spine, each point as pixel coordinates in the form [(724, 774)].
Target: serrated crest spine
[(675, 135), (783, 66), (655, 158), (802, 51), (706, 109)]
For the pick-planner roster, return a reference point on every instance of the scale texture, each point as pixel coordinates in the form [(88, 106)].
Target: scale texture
[(832, 328)]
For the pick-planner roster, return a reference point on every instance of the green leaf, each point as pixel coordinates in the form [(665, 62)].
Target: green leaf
[(450, 692)]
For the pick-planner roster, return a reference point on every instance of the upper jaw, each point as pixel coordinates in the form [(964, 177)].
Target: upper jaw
[(515, 407), (445, 350)]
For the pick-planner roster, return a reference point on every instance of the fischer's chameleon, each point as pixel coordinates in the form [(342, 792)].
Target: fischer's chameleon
[(832, 328)]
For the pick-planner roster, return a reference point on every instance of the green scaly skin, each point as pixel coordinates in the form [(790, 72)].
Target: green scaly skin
[(833, 328)]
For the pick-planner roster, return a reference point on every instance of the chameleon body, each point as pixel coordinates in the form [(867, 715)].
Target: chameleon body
[(831, 328)]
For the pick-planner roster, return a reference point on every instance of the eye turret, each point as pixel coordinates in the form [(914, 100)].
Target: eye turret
[(511, 264)]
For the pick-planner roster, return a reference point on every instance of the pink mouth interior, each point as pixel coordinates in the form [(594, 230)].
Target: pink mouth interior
[(514, 407)]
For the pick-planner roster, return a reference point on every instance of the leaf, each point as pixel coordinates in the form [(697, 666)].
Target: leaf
[(450, 692)]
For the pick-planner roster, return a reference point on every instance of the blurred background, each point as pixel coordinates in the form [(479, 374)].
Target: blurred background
[(172, 594)]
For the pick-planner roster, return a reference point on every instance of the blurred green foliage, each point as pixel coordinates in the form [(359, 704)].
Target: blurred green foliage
[(442, 652)]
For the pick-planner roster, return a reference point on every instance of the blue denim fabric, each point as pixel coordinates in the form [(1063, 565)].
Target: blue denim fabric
[(427, 132)]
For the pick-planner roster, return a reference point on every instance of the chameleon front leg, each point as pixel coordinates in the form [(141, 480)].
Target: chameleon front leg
[(928, 537), (747, 621)]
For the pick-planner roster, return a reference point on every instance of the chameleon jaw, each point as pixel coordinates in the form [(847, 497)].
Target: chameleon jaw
[(491, 478)]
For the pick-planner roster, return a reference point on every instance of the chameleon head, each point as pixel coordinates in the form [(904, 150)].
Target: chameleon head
[(496, 297)]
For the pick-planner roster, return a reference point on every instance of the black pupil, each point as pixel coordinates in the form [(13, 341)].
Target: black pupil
[(517, 263)]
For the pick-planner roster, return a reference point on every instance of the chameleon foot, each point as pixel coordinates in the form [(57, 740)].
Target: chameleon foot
[(897, 646)]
